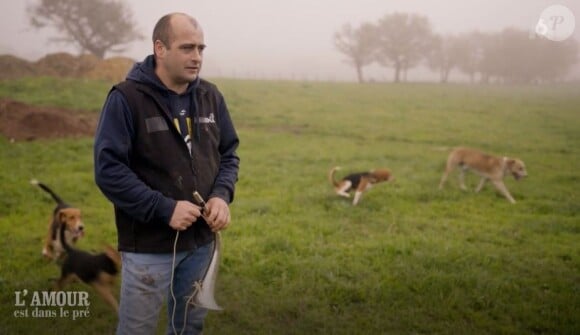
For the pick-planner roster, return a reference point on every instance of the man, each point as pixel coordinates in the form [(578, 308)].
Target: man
[(163, 134)]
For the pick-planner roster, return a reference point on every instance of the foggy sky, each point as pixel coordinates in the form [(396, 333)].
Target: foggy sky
[(289, 39)]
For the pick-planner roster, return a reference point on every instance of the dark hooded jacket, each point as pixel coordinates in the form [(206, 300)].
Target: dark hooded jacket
[(154, 147)]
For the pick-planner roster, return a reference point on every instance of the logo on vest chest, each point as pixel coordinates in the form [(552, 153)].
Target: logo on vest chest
[(206, 120)]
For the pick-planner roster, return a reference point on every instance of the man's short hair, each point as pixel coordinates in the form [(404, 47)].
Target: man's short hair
[(163, 30)]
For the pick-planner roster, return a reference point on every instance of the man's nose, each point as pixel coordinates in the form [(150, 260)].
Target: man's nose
[(196, 54)]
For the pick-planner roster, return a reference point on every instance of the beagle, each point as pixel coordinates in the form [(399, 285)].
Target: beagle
[(359, 182), (99, 270), (65, 215), (489, 167)]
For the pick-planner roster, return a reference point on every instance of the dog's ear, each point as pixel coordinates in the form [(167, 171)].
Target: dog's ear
[(382, 175), (61, 216), (515, 163)]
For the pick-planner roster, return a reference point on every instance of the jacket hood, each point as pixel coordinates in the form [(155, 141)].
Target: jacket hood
[(144, 72)]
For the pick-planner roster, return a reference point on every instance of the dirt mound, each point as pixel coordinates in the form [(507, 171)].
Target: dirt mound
[(22, 122), (14, 67), (65, 65), (59, 64), (114, 69), (85, 63)]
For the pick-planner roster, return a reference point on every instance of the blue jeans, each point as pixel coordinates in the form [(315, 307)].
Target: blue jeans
[(146, 281)]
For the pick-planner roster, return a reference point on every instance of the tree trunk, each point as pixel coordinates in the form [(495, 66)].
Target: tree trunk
[(359, 74), (98, 52), (445, 75), (397, 72)]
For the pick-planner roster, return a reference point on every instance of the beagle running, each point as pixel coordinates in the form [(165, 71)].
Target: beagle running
[(63, 214), (489, 167), (359, 182), (99, 270)]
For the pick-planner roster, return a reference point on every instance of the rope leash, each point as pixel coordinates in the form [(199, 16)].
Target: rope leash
[(196, 284), (196, 288)]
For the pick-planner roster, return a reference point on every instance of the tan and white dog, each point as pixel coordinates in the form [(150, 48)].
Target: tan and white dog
[(487, 166), (359, 182), (63, 214)]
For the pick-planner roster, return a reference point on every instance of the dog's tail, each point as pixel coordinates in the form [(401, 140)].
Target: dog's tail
[(62, 238), (331, 176), (48, 190)]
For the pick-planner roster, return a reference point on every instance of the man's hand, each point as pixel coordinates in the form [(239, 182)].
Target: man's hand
[(184, 215), (217, 214)]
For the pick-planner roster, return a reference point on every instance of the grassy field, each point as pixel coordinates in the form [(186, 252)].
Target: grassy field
[(297, 259)]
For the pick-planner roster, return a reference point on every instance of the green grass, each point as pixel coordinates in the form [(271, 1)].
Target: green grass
[(297, 259), (78, 94)]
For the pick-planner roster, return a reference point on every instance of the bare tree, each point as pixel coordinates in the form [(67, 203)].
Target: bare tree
[(555, 59), (95, 26), (533, 60), (511, 56), (358, 45), (470, 53), (447, 53), (491, 57), (403, 39)]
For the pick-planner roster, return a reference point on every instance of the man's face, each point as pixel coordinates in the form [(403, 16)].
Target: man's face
[(182, 59)]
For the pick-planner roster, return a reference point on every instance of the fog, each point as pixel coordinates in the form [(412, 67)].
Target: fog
[(286, 39)]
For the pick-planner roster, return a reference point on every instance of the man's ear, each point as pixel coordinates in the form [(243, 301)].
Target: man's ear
[(159, 48)]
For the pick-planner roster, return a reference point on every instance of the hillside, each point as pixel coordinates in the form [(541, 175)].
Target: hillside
[(66, 65)]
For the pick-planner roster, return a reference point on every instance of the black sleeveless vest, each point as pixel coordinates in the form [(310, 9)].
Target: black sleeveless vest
[(162, 160)]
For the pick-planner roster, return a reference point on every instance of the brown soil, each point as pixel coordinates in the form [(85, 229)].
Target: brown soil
[(22, 122)]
